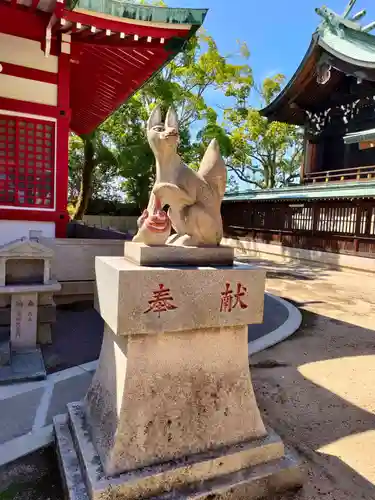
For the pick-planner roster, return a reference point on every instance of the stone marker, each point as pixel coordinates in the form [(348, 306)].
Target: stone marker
[(25, 268), (23, 327)]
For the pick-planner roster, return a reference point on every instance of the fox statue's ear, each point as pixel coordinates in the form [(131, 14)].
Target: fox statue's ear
[(171, 119), (154, 118)]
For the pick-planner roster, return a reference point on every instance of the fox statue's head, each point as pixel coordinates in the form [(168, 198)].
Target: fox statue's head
[(163, 137)]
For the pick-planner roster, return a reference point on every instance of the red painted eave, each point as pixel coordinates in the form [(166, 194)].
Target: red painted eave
[(103, 77), (110, 60), (22, 21)]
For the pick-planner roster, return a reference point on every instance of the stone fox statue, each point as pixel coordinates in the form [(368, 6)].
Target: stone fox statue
[(194, 198)]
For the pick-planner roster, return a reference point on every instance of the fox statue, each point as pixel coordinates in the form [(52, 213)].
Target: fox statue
[(194, 198)]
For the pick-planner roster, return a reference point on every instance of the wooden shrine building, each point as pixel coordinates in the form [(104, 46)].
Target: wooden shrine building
[(332, 96), (67, 65)]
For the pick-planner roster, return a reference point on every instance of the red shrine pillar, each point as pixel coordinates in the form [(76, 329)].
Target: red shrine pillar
[(34, 134), (62, 145)]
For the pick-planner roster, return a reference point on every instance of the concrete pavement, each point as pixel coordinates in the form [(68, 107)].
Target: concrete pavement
[(27, 409)]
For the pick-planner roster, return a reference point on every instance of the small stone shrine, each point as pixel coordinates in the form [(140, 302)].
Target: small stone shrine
[(27, 308), (171, 412)]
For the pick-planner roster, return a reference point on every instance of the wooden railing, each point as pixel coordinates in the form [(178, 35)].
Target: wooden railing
[(344, 174), (334, 226)]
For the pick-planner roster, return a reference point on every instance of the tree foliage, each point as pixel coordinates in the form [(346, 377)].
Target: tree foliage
[(90, 163), (264, 154), (183, 84)]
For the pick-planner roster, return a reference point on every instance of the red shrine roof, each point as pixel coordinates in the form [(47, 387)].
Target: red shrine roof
[(115, 46)]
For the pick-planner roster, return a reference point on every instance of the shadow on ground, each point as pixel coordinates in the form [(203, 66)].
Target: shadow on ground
[(76, 337), (244, 236), (317, 390), (34, 477), (291, 269)]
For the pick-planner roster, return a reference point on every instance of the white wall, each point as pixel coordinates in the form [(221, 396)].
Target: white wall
[(28, 53), (13, 87), (11, 230)]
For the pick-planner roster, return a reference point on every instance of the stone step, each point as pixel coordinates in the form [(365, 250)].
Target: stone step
[(87, 455), (262, 481), (26, 364), (216, 467), (69, 465)]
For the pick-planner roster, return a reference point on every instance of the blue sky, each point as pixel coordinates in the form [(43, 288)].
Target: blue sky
[(277, 32)]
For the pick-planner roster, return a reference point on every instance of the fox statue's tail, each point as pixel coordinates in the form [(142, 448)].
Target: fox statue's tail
[(213, 169)]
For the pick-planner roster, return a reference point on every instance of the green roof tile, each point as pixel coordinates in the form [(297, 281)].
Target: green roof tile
[(309, 192), (342, 37), (361, 136), (150, 13)]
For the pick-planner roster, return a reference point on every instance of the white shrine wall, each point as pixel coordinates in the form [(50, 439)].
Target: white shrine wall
[(28, 54)]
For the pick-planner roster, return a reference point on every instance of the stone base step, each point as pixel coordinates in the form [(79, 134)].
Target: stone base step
[(75, 488), (249, 470), (25, 365), (262, 481)]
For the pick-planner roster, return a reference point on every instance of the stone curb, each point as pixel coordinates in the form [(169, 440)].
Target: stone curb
[(284, 331)]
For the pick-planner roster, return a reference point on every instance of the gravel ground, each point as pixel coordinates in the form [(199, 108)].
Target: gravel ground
[(317, 389)]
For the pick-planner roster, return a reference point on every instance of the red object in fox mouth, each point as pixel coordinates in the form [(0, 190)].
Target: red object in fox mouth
[(158, 222)]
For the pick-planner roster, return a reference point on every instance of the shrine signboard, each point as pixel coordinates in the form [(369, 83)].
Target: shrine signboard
[(170, 299)]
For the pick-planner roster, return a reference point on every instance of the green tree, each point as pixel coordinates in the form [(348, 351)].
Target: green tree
[(125, 130), (264, 154), (184, 83), (89, 161)]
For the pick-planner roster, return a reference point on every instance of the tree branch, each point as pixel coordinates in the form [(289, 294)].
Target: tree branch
[(243, 177)]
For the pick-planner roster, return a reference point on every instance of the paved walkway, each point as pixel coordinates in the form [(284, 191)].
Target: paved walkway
[(27, 409), (317, 388)]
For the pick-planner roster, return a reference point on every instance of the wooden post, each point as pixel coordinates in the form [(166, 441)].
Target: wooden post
[(315, 215)]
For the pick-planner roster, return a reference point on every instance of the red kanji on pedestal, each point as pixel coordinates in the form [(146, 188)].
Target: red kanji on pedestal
[(230, 300), (161, 301)]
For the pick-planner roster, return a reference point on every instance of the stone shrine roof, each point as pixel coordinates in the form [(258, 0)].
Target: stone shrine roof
[(26, 248)]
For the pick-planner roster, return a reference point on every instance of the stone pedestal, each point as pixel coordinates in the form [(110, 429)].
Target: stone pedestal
[(27, 309), (26, 292), (171, 411)]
